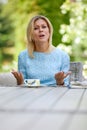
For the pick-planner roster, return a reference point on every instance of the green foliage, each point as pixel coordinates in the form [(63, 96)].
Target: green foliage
[(5, 30), (69, 20), (75, 33), (6, 38), (51, 9)]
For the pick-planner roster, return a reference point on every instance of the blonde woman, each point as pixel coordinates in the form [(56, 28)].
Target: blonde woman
[(41, 60)]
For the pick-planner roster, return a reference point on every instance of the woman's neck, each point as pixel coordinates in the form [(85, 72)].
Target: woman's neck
[(41, 47), (45, 48)]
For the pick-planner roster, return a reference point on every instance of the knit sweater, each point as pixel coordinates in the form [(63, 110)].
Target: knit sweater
[(44, 66)]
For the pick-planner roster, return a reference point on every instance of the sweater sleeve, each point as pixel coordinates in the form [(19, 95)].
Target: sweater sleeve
[(65, 67), (21, 64)]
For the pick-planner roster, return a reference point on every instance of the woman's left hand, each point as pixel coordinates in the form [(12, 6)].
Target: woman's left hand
[(60, 77), (18, 76)]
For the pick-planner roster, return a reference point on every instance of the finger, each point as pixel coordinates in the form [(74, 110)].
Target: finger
[(13, 70), (21, 78), (17, 76), (59, 75), (66, 74)]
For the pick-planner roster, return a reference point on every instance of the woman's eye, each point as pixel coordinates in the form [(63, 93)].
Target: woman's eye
[(44, 26), (35, 28)]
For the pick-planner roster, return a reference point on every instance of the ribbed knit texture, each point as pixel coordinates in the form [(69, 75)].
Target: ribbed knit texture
[(43, 66)]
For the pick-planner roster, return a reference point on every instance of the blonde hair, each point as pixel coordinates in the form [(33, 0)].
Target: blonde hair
[(30, 42)]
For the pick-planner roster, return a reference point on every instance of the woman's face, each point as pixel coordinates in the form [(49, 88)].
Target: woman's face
[(41, 31)]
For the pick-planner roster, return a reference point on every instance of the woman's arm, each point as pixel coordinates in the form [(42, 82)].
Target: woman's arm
[(62, 76), (22, 64)]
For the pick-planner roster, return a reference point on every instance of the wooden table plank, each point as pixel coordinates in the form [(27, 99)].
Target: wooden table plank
[(48, 100), (14, 93), (5, 90), (78, 122), (18, 121), (46, 108), (33, 120), (83, 105), (22, 97), (70, 101), (52, 122)]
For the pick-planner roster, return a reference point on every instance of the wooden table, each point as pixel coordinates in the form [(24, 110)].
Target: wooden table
[(44, 108)]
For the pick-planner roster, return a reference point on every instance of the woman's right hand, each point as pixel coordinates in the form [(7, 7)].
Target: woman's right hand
[(18, 76), (60, 77)]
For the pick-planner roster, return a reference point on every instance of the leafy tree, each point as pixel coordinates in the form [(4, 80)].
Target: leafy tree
[(6, 42), (74, 34)]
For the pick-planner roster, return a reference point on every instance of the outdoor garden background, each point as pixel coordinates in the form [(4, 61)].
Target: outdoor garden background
[(69, 19)]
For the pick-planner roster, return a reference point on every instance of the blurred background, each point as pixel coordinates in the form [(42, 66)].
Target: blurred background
[(69, 20)]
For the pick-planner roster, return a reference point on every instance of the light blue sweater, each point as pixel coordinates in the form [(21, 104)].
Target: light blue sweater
[(44, 66)]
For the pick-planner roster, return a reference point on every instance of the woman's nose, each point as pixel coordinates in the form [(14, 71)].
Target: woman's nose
[(40, 29)]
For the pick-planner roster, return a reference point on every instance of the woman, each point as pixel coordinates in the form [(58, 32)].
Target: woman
[(41, 60)]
